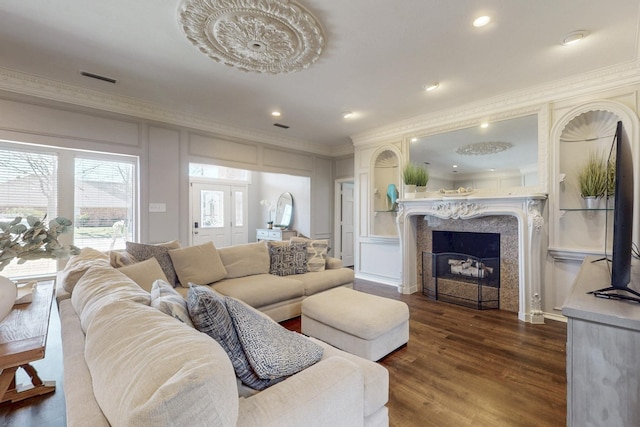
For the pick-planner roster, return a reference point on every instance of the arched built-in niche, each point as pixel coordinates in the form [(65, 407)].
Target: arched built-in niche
[(385, 188), (575, 230)]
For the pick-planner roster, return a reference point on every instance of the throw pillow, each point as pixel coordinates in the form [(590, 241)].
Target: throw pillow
[(142, 252), (245, 260), (144, 273), (287, 258), (209, 315), (166, 299), (79, 264), (121, 258), (199, 264), (316, 253), (273, 351)]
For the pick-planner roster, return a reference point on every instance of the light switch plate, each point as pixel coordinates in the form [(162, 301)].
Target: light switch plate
[(157, 207)]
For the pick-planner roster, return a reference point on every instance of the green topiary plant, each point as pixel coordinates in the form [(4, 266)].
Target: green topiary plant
[(413, 174), (592, 178), (611, 178)]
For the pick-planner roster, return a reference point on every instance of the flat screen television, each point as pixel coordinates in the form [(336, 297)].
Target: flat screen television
[(622, 244)]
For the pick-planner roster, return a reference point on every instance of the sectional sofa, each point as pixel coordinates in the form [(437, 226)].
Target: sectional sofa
[(128, 363)]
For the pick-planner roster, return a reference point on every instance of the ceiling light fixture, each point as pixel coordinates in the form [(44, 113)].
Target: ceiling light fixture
[(347, 114), (484, 125), (276, 113), (481, 21), (275, 36), (431, 86), (414, 139), (573, 38)]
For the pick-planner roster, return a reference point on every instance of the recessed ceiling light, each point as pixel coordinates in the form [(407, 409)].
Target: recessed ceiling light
[(347, 114), (481, 21), (484, 125), (574, 37), (276, 113), (455, 166), (492, 170), (431, 86), (414, 139)]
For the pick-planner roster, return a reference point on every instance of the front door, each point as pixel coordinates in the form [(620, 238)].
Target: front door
[(218, 214)]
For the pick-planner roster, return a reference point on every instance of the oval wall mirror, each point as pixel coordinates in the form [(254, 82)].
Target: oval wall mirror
[(284, 210)]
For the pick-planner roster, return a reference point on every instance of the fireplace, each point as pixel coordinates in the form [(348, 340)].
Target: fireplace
[(518, 220), (463, 268)]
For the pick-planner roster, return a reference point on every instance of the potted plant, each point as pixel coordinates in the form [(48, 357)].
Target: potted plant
[(415, 178), (592, 179)]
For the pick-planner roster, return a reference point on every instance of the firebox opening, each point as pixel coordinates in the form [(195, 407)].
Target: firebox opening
[(463, 268)]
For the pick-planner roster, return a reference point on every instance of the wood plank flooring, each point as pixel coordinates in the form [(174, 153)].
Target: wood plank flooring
[(461, 367)]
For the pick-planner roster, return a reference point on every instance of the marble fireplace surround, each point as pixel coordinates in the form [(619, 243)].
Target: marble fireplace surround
[(525, 208)]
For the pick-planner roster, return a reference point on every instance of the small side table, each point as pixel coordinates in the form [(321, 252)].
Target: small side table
[(23, 338)]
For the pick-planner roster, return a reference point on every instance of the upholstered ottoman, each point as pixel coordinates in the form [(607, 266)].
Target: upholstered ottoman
[(366, 325)]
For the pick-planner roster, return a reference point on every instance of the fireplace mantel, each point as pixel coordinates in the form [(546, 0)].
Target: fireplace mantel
[(527, 208)]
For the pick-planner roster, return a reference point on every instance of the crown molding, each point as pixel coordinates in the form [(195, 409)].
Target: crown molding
[(27, 84), (509, 103)]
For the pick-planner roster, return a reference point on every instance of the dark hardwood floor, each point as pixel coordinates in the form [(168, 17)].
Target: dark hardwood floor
[(461, 367)]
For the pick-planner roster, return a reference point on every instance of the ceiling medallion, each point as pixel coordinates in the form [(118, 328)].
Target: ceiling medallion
[(266, 36), (483, 148)]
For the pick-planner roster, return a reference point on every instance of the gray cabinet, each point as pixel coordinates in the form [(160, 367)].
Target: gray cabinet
[(603, 348)]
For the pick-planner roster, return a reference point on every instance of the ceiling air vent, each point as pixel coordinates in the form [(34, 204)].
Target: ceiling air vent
[(280, 125), (98, 77)]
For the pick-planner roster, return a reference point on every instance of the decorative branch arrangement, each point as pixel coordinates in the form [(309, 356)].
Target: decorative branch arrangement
[(35, 241)]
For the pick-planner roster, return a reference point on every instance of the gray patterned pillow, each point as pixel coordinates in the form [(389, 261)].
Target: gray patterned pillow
[(169, 301), (273, 351), (316, 253), (142, 252), (287, 258), (209, 315)]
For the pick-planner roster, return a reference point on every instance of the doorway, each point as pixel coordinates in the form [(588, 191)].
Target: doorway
[(218, 213), (344, 221)]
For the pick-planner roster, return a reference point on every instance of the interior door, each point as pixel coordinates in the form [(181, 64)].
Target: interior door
[(218, 214), (347, 224)]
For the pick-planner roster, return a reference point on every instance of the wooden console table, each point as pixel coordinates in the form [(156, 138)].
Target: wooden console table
[(603, 346), (23, 338)]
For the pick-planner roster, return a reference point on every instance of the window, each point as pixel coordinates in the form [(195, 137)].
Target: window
[(104, 203), (100, 197), (28, 187), (218, 172)]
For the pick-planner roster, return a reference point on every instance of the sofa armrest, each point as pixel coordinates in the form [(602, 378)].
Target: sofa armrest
[(329, 393), (333, 263)]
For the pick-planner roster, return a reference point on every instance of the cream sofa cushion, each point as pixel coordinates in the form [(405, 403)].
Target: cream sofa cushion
[(261, 289), (245, 260), (144, 273), (159, 386), (101, 286), (199, 264), (79, 264)]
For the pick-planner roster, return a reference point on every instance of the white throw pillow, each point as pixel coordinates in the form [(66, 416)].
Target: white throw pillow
[(166, 299)]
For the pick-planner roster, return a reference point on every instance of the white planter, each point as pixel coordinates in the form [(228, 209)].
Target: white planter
[(8, 292), (409, 188)]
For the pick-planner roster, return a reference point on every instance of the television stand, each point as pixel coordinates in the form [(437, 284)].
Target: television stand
[(603, 344)]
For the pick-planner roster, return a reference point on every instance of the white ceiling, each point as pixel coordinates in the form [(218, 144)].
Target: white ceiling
[(377, 57)]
